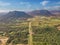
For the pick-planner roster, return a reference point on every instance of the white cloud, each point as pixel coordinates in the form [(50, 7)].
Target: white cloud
[(1, 10), (4, 3), (53, 8), (4, 11), (44, 3), (26, 5)]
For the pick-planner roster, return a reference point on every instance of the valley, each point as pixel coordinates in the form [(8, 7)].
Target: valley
[(43, 31), (29, 22)]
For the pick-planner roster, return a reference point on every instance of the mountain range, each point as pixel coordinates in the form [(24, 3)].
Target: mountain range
[(41, 13), (13, 15), (55, 12)]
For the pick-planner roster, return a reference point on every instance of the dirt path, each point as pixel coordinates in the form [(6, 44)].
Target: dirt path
[(3, 40)]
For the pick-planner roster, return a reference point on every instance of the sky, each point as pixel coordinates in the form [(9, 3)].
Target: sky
[(28, 5)]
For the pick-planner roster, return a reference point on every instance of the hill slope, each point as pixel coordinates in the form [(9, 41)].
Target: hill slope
[(56, 12), (41, 13), (14, 15)]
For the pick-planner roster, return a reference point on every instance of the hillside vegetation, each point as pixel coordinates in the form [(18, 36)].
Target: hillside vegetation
[(45, 31)]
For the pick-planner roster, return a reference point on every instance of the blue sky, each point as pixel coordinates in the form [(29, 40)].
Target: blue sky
[(28, 5)]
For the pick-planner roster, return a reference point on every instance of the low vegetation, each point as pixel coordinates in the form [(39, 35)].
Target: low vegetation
[(44, 31)]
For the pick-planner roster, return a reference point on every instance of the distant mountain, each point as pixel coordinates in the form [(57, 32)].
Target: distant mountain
[(2, 13), (20, 15), (13, 15), (55, 12), (41, 13)]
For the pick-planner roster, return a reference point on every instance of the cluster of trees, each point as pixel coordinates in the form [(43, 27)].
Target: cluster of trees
[(18, 36), (46, 36)]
